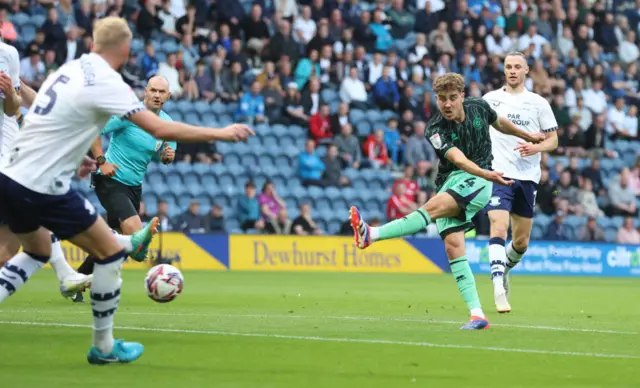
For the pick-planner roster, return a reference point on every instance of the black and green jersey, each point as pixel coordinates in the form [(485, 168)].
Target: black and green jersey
[(470, 136)]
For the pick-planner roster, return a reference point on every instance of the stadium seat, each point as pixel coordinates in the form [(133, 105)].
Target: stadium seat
[(174, 179), (19, 19), (38, 20), (356, 115), (185, 107), (182, 167), (610, 234)]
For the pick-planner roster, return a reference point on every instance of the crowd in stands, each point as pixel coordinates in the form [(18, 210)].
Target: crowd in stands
[(356, 75)]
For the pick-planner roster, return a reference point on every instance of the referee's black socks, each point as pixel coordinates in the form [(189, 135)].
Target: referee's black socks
[(86, 268)]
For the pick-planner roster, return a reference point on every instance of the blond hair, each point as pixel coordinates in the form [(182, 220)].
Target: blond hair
[(448, 82), (109, 33)]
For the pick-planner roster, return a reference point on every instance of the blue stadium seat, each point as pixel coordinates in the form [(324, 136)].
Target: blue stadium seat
[(328, 95), (184, 201), (610, 234), (27, 33), (19, 19), (202, 107), (201, 168), (149, 198), (225, 120), (356, 115), (169, 46), (387, 114), (137, 45), (332, 193), (209, 182), (191, 178), (209, 119), (374, 115), (297, 131), (185, 106), (617, 221), (183, 167), (192, 118), (154, 178), (537, 233), (38, 20), (575, 222), (173, 179)]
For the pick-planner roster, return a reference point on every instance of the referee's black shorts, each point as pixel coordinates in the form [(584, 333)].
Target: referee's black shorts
[(119, 200)]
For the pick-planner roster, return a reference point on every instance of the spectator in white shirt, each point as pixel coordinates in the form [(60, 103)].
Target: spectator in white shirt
[(375, 68), (496, 42), (630, 125), (168, 70), (419, 50), (353, 91), (628, 50), (594, 98), (32, 69), (572, 94), (585, 118), (615, 119), (436, 5), (530, 37), (304, 27)]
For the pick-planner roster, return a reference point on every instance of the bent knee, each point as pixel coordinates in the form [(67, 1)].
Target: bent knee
[(520, 244)]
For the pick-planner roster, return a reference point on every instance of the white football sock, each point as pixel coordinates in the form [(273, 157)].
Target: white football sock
[(513, 257), (17, 271), (125, 241), (374, 233), (477, 312), (497, 259), (105, 295), (58, 261)]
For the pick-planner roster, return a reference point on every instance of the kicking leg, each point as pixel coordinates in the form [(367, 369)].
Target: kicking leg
[(442, 205), (100, 242), (499, 220), (72, 283), (36, 252), (466, 282)]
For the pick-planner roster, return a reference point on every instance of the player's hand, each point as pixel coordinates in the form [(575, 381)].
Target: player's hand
[(496, 177), (168, 154), (237, 132), (527, 149), (88, 166), (109, 169), (6, 85), (537, 137)]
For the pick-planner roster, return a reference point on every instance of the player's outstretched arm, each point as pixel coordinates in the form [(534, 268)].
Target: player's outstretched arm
[(455, 156), (550, 143), (505, 126), (28, 95), (175, 131)]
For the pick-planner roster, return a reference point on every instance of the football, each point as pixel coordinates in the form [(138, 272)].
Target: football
[(164, 283)]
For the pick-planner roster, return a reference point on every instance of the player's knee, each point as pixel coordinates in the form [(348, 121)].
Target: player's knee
[(520, 243), (499, 230), (454, 247)]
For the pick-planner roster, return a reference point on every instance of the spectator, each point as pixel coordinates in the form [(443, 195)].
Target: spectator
[(344, 44), (190, 53), (594, 98), (375, 150), (249, 209), (204, 82), (402, 21), (256, 31), (320, 125), (311, 99), (273, 99), (393, 141), (270, 202), (568, 193), (333, 168), (191, 221), (353, 91), (251, 108), (282, 44), (384, 40), (349, 148), (304, 27), (132, 74), (150, 64), (304, 225), (594, 174), (385, 91), (406, 125), (615, 120), (571, 141), (142, 212), (293, 111), (425, 176), (418, 147), (588, 201), (286, 9), (340, 118), (169, 71), (148, 20), (50, 64), (630, 124), (321, 38), (84, 18), (32, 70), (232, 82), (628, 49), (628, 234), (399, 205), (231, 14), (214, 221), (419, 50), (236, 55), (310, 166), (168, 20), (7, 29), (591, 232), (622, 196), (582, 115), (411, 187), (187, 23), (307, 68), (557, 231), (280, 225), (163, 216), (546, 195)]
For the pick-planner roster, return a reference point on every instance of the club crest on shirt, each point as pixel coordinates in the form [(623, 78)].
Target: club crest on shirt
[(436, 141), (158, 145), (477, 123)]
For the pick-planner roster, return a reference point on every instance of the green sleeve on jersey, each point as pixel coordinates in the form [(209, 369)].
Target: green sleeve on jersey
[(115, 124), (440, 139)]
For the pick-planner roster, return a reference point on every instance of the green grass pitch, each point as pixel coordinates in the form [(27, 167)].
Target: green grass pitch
[(234, 329)]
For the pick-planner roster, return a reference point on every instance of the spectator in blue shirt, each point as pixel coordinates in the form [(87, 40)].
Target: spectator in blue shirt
[(150, 63), (249, 209), (385, 91), (251, 108), (393, 141), (468, 71), (557, 231), (616, 84), (384, 40), (310, 166)]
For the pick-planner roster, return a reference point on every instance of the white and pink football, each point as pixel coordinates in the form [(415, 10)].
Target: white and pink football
[(164, 283)]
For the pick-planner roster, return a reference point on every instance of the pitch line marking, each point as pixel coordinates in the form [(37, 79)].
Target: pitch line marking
[(333, 339), (334, 317)]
